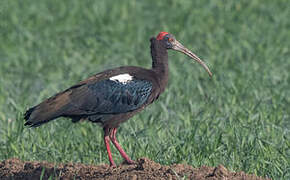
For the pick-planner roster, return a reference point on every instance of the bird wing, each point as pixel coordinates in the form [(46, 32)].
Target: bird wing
[(107, 96)]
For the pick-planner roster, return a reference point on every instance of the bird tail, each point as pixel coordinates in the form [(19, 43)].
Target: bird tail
[(46, 111), (38, 115)]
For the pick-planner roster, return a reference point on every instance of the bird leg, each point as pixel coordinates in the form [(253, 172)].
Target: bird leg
[(107, 143), (117, 145)]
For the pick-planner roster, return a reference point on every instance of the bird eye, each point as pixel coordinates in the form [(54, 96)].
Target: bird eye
[(169, 41)]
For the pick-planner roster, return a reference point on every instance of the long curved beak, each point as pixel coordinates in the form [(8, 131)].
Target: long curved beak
[(179, 47)]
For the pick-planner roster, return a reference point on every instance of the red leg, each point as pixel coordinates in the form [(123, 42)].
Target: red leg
[(117, 145), (107, 144)]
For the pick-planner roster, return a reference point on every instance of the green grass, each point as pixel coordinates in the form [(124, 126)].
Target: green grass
[(239, 118)]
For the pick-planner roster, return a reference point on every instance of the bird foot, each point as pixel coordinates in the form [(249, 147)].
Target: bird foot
[(113, 165), (129, 161)]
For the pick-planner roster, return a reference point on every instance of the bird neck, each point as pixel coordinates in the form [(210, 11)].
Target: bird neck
[(159, 60)]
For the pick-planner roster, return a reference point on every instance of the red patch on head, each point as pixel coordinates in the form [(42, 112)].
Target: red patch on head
[(161, 35)]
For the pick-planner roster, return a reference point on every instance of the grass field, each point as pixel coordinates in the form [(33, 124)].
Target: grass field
[(239, 118)]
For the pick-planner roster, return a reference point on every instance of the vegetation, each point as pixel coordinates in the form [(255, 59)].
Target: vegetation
[(239, 118)]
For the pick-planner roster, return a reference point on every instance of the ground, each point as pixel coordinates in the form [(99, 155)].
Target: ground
[(143, 169)]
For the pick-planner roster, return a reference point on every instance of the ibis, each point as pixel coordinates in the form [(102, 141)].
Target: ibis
[(111, 97)]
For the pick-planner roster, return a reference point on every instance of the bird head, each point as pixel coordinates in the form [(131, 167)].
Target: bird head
[(171, 43)]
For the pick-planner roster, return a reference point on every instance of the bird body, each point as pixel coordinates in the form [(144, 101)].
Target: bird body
[(112, 96)]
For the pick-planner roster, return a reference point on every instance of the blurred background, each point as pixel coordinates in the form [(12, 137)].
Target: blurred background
[(239, 118)]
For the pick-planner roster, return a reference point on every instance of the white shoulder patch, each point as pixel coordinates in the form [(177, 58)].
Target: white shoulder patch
[(122, 78)]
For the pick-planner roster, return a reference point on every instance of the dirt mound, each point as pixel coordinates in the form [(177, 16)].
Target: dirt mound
[(143, 169)]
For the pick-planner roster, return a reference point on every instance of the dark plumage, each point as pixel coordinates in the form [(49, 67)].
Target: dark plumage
[(113, 96)]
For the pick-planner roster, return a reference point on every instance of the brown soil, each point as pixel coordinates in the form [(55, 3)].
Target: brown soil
[(143, 169)]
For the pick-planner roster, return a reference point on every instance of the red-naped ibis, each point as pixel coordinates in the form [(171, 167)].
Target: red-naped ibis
[(113, 96)]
